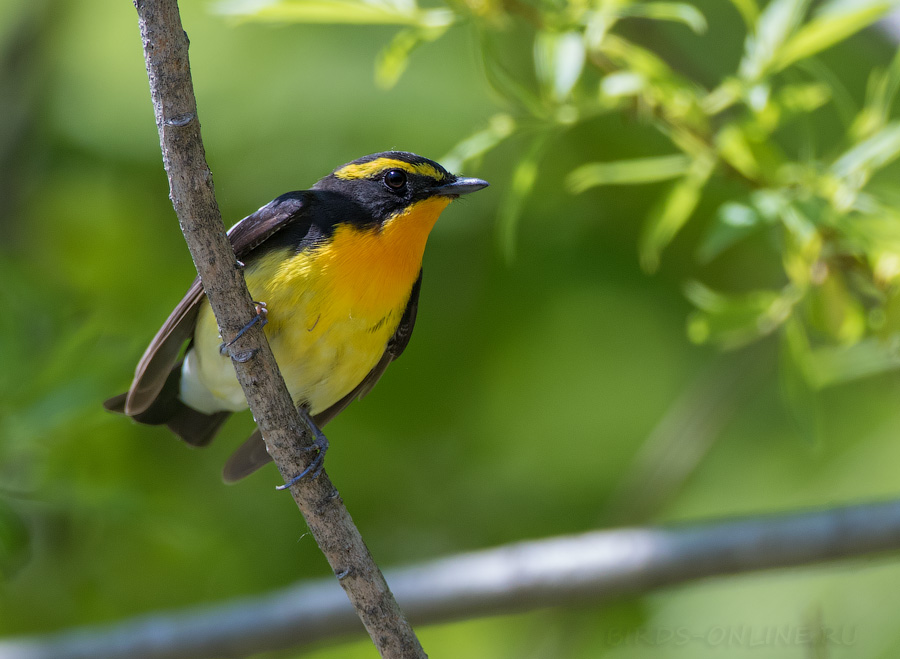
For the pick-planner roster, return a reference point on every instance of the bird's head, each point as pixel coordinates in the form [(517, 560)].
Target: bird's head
[(394, 183)]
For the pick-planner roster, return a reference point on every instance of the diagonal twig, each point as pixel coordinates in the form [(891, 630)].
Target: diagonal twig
[(286, 435)]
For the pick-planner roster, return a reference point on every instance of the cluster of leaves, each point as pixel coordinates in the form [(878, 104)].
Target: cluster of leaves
[(837, 231)]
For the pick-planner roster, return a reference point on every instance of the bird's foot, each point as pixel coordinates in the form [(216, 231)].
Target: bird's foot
[(261, 317), (320, 445)]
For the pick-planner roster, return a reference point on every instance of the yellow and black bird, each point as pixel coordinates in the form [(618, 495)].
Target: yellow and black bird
[(339, 267)]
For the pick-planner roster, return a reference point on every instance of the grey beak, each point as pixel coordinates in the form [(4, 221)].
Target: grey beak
[(460, 185)]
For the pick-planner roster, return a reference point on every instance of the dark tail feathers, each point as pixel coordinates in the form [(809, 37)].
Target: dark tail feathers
[(196, 428)]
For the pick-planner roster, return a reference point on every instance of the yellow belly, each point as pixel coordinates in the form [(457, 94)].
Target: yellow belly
[(323, 346)]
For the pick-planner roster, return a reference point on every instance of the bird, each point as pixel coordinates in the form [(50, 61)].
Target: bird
[(337, 269)]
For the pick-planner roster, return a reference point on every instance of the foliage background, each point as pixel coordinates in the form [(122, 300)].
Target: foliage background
[(551, 386)]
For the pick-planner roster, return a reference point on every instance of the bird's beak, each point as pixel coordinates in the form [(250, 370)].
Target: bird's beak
[(459, 186)]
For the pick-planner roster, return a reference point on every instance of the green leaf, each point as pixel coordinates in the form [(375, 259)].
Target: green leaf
[(523, 179), (843, 101), (877, 237), (347, 12), (834, 310), (619, 172), (749, 11), (635, 58), (883, 87), (801, 246), (500, 127), (804, 98), (559, 61), (508, 85), (870, 155), (393, 60), (734, 148), (732, 223), (597, 25), (776, 23), (667, 11), (623, 83), (731, 321), (667, 219), (833, 23)]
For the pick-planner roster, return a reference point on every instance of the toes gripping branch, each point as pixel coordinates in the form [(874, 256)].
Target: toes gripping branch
[(261, 317), (320, 445)]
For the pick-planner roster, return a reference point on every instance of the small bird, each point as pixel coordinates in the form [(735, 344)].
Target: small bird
[(337, 269)]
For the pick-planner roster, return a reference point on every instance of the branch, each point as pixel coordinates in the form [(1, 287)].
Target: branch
[(287, 438), (596, 567)]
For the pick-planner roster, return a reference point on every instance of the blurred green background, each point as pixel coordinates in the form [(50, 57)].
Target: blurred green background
[(550, 388)]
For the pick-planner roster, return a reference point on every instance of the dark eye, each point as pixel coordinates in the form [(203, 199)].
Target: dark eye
[(395, 179)]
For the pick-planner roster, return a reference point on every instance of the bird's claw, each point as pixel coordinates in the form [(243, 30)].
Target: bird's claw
[(320, 444), (261, 317)]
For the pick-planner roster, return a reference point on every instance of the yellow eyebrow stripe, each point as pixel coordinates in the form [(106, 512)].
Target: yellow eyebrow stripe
[(367, 169)]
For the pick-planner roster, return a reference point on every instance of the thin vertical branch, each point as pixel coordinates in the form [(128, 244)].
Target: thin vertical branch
[(286, 435)]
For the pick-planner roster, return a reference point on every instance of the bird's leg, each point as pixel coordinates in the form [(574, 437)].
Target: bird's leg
[(320, 444), (262, 317)]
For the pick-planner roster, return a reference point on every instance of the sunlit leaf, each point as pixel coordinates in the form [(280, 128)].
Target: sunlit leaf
[(732, 223), (775, 25), (559, 60), (749, 11), (667, 11), (723, 97), (883, 87), (667, 219), (835, 312), (877, 238), (799, 225), (769, 203), (338, 12), (500, 127), (393, 60), (833, 23), (638, 59), (624, 83), (863, 159), (734, 148), (677, 96), (638, 170), (597, 24), (803, 98), (731, 321), (801, 246)]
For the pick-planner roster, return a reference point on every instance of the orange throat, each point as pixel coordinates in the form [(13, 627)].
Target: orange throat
[(375, 269)]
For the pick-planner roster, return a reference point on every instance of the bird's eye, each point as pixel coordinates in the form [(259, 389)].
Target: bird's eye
[(395, 179)]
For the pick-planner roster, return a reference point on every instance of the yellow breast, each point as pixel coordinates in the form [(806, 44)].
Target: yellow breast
[(331, 311)]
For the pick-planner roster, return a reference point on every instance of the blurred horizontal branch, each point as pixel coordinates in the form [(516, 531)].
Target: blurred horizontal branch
[(592, 567)]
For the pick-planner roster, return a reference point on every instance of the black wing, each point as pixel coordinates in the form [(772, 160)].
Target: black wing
[(288, 210), (252, 454)]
